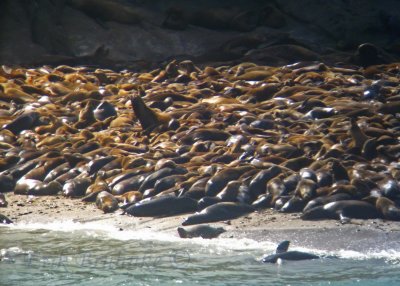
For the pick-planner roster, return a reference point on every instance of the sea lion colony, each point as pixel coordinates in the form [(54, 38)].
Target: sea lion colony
[(220, 141)]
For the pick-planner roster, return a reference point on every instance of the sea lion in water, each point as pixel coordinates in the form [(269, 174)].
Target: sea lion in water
[(203, 231), (219, 212), (342, 210), (167, 205), (283, 254), (5, 220)]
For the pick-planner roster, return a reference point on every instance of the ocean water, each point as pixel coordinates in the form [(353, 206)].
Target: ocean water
[(70, 253)]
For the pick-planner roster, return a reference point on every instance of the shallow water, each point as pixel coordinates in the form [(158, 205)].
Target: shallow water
[(93, 254)]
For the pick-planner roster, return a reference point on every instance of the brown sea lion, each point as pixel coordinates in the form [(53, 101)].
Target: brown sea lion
[(106, 202), (217, 182), (148, 118)]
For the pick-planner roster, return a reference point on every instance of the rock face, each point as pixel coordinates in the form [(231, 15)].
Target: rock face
[(144, 33)]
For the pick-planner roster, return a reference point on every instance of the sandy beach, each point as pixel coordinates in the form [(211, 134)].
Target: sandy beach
[(264, 225)]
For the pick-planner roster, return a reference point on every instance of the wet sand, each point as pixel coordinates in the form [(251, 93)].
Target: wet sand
[(264, 225)]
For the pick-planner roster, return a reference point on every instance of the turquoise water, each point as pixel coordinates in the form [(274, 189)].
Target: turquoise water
[(76, 254)]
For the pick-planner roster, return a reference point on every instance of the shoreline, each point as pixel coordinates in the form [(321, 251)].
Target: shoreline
[(265, 225)]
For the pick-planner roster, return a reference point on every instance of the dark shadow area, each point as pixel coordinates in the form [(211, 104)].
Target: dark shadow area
[(144, 34)]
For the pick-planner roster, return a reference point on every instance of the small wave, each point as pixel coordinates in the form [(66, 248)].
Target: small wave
[(217, 246)]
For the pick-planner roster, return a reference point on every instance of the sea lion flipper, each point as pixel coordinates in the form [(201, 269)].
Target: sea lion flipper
[(282, 247), (344, 219)]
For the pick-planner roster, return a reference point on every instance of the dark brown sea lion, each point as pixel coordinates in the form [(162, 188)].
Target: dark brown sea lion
[(106, 202), (128, 182), (204, 134), (342, 210), (306, 189), (294, 204), (25, 121), (160, 174), (203, 231), (148, 118), (230, 192), (207, 201), (326, 199), (219, 212), (167, 205), (95, 165), (76, 187), (217, 182), (263, 201), (49, 189)]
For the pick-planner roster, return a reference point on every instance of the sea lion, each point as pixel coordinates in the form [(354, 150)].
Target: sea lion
[(258, 184), (94, 189), (219, 212), (263, 201), (387, 208), (151, 179), (167, 205), (25, 121), (49, 189), (148, 118), (282, 253), (95, 165), (76, 187), (130, 181), (203, 231), (326, 199), (306, 189), (106, 202), (5, 220), (104, 110), (230, 192), (206, 202), (343, 211), (7, 183), (23, 186), (294, 204), (217, 182), (130, 197)]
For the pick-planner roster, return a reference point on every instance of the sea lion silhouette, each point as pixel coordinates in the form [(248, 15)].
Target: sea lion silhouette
[(283, 253)]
